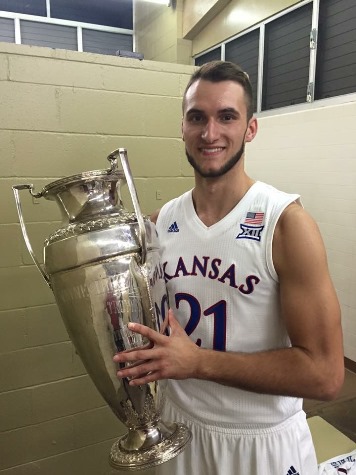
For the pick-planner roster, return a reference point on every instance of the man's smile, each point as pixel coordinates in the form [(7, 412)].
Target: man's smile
[(211, 151)]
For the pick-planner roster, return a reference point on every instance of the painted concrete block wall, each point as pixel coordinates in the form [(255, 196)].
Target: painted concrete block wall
[(313, 152), (62, 113)]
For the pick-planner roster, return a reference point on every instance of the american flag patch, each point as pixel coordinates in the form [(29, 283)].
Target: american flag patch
[(254, 218)]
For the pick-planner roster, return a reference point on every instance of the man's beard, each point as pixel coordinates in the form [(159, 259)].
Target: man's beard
[(224, 169)]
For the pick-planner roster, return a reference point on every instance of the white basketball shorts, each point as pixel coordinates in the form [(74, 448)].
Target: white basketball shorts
[(227, 449)]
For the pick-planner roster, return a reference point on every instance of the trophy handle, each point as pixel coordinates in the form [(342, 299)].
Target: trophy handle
[(122, 152), (16, 189)]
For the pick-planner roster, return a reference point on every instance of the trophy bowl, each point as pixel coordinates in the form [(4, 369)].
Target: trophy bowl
[(104, 269)]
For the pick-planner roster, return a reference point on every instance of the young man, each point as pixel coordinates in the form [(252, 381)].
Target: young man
[(255, 322)]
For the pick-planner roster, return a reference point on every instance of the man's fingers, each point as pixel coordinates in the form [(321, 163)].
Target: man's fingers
[(131, 356), (135, 363), (147, 346), (147, 332), (148, 378), (136, 371)]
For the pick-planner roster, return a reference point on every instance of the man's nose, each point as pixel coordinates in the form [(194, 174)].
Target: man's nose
[(210, 132)]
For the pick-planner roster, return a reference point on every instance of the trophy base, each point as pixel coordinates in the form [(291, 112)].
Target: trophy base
[(142, 449)]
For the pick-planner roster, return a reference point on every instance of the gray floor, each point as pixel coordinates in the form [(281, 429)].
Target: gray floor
[(340, 413)]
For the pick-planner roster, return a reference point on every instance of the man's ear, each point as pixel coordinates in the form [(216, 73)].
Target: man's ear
[(251, 129)]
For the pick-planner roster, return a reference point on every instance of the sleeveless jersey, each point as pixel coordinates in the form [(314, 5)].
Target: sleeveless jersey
[(223, 289)]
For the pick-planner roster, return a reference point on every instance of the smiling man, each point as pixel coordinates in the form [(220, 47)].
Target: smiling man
[(215, 135), (254, 320)]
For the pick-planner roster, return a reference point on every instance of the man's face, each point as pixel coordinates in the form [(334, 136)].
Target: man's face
[(215, 126)]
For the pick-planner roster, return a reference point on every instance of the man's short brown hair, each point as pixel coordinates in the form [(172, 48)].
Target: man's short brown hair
[(218, 71)]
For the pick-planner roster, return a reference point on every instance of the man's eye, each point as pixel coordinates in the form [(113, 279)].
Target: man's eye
[(195, 118), (227, 117)]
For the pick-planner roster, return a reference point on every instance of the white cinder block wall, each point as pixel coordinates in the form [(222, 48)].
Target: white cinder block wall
[(313, 152)]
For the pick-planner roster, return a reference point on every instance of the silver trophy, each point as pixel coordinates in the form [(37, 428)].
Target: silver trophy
[(104, 269)]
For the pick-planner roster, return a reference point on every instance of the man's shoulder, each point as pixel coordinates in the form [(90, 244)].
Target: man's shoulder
[(271, 199), (270, 191)]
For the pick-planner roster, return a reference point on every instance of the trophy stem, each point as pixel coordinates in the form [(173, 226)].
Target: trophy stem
[(141, 449)]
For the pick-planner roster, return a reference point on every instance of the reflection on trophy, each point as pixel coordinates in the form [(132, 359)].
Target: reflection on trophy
[(104, 269)]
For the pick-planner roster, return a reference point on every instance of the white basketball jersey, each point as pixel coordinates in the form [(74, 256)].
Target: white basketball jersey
[(224, 290)]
